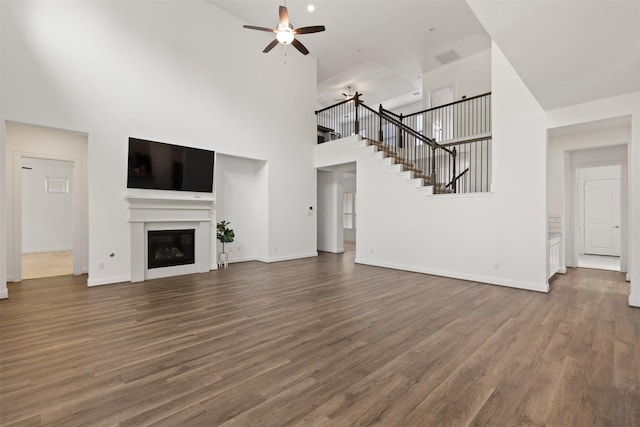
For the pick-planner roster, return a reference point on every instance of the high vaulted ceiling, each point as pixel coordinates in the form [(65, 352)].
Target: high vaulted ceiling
[(379, 48), (566, 51)]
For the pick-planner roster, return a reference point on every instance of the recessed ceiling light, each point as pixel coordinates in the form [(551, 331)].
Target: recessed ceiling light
[(310, 7)]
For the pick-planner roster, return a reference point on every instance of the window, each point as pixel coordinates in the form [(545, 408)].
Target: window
[(348, 210)]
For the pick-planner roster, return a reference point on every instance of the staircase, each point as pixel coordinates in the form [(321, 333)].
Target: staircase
[(424, 180), (459, 162)]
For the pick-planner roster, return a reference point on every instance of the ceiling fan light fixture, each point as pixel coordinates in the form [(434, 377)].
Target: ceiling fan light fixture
[(285, 33), (285, 37)]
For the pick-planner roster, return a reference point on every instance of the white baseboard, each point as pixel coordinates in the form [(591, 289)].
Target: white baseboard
[(634, 301), (214, 266), (287, 257), (562, 270), (4, 293), (627, 277), (544, 287), (10, 278), (108, 280), (242, 259), (333, 251)]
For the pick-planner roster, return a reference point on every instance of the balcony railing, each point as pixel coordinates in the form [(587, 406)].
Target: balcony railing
[(450, 145)]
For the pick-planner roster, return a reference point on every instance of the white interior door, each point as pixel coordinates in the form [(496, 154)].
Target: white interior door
[(602, 216), (441, 121)]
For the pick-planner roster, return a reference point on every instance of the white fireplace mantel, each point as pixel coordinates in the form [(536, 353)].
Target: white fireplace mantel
[(169, 212)]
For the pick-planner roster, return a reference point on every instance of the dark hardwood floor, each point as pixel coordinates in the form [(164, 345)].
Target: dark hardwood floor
[(319, 342)]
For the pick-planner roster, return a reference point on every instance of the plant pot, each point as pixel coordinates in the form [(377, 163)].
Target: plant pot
[(223, 260)]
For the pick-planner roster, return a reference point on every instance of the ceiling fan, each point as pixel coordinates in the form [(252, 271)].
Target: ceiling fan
[(348, 95), (286, 34)]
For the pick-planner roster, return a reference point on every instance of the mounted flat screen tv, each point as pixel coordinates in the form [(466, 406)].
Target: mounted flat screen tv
[(160, 166)]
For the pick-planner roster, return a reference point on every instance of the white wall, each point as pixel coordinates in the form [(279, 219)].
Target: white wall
[(497, 237), (164, 71), (604, 109), (470, 76), (47, 217), (24, 140), (240, 199)]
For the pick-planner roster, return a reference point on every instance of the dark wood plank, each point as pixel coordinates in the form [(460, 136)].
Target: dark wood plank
[(319, 342)]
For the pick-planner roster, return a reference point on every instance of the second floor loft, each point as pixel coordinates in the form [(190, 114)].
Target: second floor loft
[(449, 145)]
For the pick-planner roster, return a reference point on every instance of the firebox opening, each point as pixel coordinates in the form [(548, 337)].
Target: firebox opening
[(169, 248)]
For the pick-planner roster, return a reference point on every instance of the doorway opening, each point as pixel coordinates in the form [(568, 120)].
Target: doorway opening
[(337, 208), (590, 159), (598, 221), (47, 217), (47, 225)]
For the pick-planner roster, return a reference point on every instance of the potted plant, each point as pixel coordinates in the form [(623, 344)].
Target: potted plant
[(225, 235)]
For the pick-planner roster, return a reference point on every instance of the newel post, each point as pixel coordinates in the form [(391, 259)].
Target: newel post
[(356, 99), (380, 133), (400, 133), (455, 178)]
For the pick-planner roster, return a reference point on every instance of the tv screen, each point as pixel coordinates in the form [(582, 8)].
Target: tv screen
[(160, 166)]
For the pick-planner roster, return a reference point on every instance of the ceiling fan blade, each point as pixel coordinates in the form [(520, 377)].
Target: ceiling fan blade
[(284, 15), (253, 27), (303, 50), (270, 46), (309, 30)]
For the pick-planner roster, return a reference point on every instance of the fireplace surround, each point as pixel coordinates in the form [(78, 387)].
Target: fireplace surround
[(177, 214)]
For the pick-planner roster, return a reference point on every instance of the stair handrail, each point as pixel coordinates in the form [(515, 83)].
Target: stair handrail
[(401, 125), (463, 99), (400, 130)]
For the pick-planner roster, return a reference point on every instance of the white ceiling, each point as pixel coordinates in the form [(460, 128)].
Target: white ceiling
[(566, 51), (379, 48)]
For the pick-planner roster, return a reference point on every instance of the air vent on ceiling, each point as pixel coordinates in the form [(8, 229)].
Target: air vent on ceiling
[(448, 56)]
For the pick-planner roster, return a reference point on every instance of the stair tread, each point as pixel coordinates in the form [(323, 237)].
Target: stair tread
[(407, 166)]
